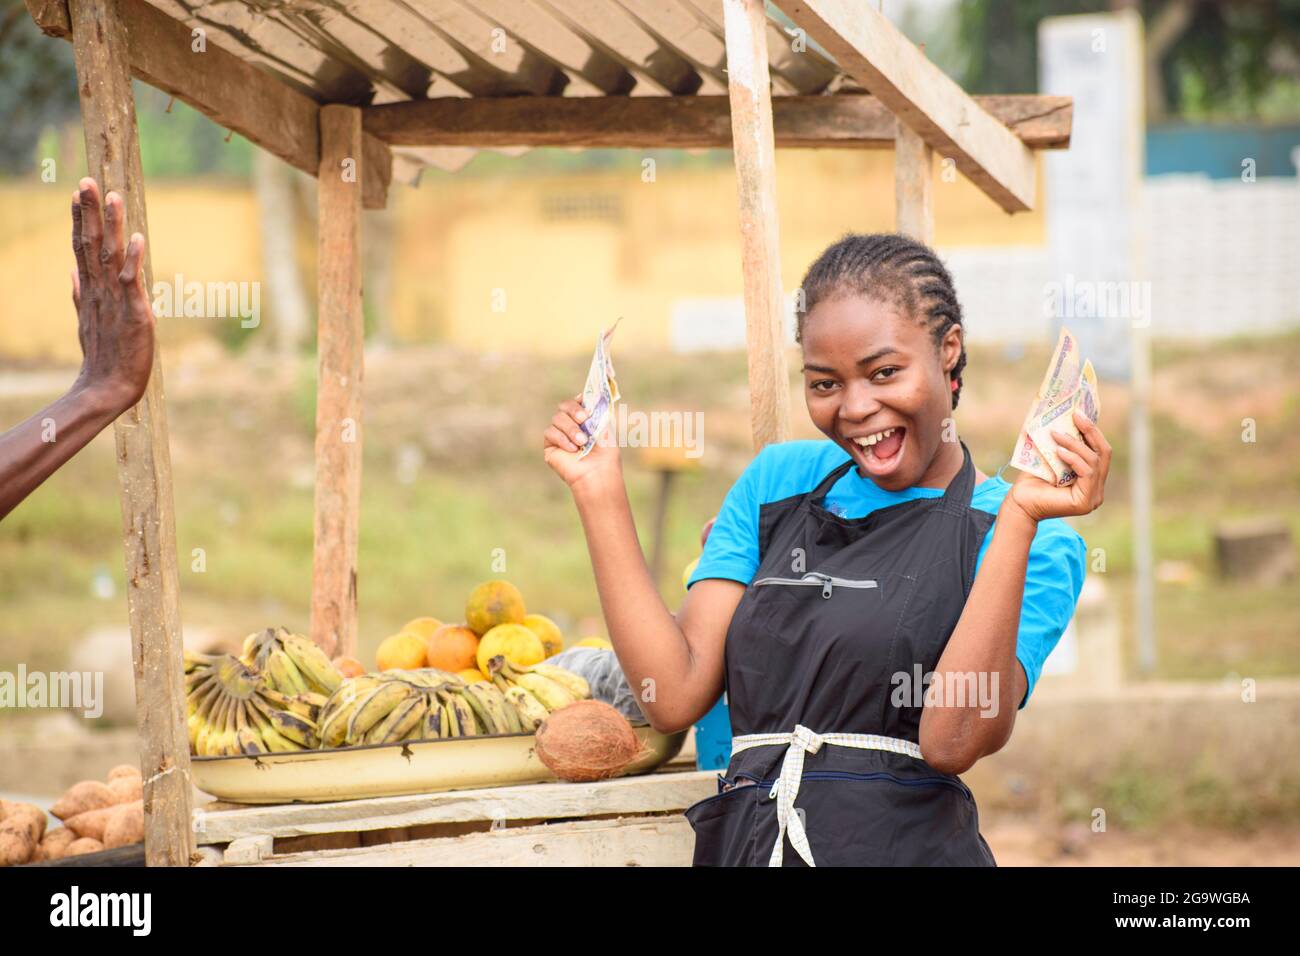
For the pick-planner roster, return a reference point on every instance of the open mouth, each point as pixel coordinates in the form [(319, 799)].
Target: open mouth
[(880, 452)]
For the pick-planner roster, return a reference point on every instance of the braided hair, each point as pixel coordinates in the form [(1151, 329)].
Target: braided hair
[(889, 266)]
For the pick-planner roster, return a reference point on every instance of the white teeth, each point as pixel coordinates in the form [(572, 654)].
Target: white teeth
[(870, 440)]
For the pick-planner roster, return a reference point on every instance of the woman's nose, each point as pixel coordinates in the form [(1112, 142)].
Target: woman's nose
[(858, 403)]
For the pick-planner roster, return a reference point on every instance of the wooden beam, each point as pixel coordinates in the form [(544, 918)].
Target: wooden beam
[(913, 187), (871, 50), (754, 154), (681, 122), (340, 347), (143, 460), (223, 87)]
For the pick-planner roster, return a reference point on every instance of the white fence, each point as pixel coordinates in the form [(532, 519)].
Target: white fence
[(1222, 258)]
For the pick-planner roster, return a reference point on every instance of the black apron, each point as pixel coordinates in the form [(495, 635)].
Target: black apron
[(837, 608)]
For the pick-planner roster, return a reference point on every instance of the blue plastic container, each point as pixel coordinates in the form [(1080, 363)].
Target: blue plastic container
[(713, 738)]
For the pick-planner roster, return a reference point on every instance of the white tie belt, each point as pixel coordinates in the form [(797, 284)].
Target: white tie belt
[(786, 788)]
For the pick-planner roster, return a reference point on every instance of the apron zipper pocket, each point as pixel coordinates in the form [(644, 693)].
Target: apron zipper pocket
[(827, 581)]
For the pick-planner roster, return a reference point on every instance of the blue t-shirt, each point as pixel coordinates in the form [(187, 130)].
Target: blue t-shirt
[(1057, 555)]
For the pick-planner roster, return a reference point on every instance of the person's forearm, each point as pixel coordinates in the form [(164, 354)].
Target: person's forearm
[(649, 644), (33, 450), (983, 644)]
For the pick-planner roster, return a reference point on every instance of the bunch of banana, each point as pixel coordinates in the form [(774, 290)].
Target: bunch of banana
[(228, 713), (293, 664), (536, 691)]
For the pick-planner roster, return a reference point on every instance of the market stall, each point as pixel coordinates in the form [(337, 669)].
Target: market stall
[(363, 92)]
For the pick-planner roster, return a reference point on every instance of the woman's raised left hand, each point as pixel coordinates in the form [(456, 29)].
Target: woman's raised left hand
[(1090, 460)]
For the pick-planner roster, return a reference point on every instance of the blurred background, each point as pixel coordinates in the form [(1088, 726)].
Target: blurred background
[(486, 286)]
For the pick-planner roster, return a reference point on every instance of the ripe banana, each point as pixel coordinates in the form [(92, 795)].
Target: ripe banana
[(284, 674), (531, 710), (486, 715), (311, 662), (304, 705), (409, 713), (298, 729), (463, 723), (433, 721), (275, 741), (575, 684), (549, 692), (374, 707)]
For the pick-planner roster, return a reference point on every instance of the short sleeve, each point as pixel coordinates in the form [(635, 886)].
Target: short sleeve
[(1053, 582), (731, 550)]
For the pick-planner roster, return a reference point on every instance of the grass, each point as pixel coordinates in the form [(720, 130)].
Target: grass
[(241, 438)]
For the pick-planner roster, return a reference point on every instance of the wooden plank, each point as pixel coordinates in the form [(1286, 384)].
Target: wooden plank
[(144, 472), (913, 186), (634, 841), (651, 793), (223, 87), (680, 122), (340, 349), (754, 154), (871, 50)]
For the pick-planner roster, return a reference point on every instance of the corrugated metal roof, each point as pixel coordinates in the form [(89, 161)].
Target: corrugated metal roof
[(365, 52)]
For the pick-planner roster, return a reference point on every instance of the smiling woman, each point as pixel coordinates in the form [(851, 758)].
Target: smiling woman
[(840, 573)]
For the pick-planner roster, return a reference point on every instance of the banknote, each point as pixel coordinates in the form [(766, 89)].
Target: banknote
[(1067, 385), (601, 391)]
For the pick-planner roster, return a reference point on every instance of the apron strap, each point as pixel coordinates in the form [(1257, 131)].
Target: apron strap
[(823, 489), (960, 488)]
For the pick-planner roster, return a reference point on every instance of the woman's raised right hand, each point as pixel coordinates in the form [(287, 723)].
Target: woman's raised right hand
[(564, 438)]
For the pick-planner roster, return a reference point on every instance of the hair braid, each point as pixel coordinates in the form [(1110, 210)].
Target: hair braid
[(886, 265)]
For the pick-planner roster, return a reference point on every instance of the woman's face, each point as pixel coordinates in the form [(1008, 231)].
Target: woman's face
[(877, 386)]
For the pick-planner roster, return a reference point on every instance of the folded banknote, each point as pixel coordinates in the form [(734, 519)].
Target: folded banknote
[(1069, 384)]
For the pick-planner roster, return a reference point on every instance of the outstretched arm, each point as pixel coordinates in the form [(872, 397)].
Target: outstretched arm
[(115, 326)]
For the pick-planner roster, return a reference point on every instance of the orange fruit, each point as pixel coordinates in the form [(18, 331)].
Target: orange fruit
[(594, 641), (424, 626), (471, 675), (493, 603), (349, 666), (451, 647), (548, 631), (516, 643), (404, 651)]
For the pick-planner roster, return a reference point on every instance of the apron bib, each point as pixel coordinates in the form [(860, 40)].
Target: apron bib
[(838, 609)]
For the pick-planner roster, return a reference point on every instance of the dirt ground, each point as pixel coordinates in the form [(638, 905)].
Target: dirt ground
[(1024, 843)]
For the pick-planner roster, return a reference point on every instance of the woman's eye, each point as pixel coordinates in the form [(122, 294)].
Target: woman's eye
[(887, 372), (823, 385)]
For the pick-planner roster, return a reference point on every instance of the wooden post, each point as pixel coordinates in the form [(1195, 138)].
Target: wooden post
[(340, 347), (754, 152), (913, 186), (99, 46)]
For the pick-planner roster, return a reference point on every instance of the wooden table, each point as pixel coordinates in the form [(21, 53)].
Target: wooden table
[(631, 821)]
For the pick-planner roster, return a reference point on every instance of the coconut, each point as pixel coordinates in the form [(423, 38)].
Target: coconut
[(587, 740)]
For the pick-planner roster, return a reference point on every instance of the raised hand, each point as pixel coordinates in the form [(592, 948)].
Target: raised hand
[(1090, 460), (564, 438), (114, 319)]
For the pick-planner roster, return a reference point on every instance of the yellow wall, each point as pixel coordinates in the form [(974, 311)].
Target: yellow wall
[(640, 246)]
